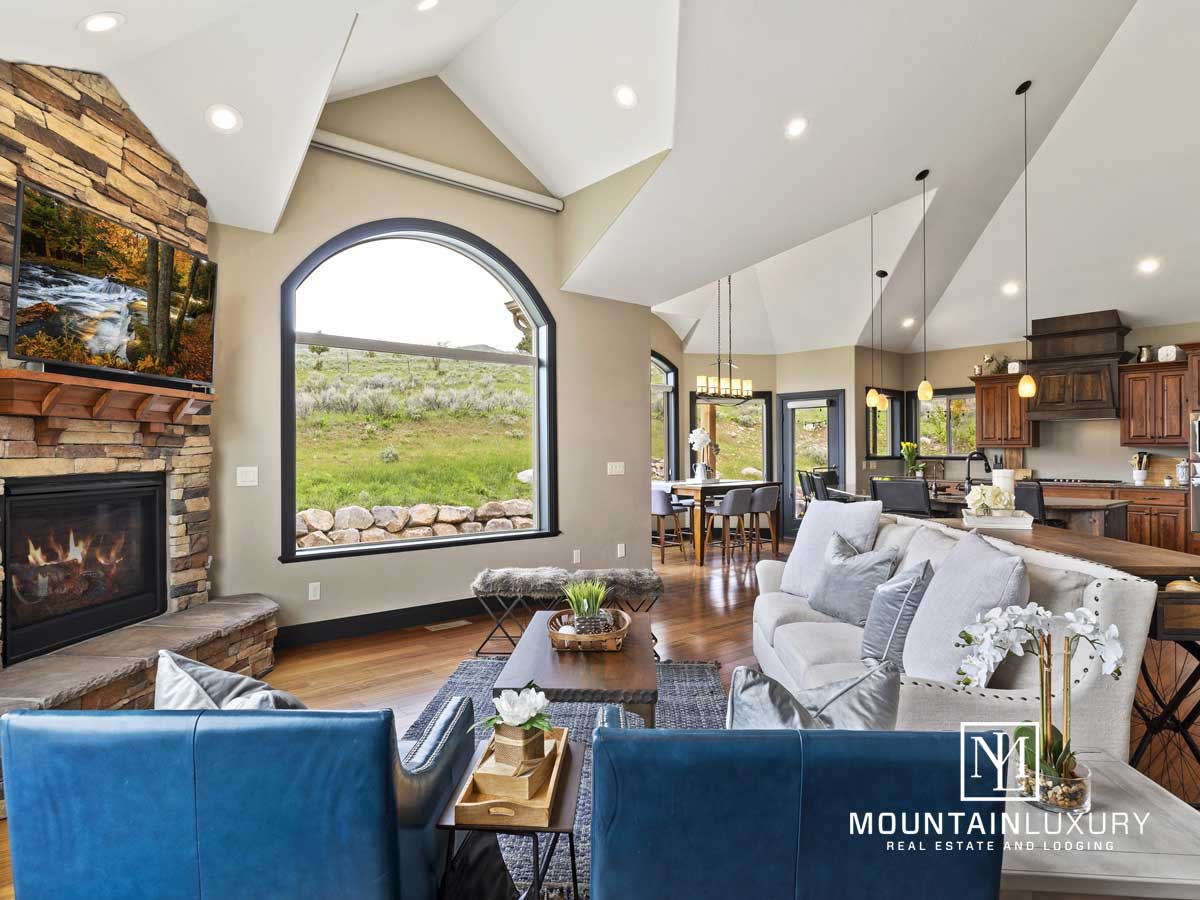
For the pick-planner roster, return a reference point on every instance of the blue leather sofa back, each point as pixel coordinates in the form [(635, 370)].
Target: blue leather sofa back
[(212, 804), (721, 814)]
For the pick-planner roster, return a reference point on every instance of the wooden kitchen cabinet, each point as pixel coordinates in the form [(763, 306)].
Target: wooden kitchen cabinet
[(1001, 414), (1154, 404), (1157, 518)]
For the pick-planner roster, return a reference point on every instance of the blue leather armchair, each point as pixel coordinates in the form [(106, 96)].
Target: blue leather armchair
[(198, 805), (727, 814)]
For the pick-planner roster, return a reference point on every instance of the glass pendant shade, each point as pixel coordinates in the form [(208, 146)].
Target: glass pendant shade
[(701, 384), (881, 402), (872, 399), (925, 391), (1027, 387)]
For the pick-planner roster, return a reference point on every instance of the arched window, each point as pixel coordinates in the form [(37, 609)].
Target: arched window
[(418, 395), (664, 418)]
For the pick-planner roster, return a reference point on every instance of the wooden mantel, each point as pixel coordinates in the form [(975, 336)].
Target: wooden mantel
[(46, 395)]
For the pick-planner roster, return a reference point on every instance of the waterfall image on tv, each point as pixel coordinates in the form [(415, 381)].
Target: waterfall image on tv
[(92, 292)]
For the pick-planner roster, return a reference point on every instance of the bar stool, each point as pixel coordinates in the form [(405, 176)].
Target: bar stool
[(732, 507), (662, 508), (763, 500)]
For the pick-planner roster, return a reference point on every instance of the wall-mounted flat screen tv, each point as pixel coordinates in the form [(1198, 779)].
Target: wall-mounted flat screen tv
[(90, 293)]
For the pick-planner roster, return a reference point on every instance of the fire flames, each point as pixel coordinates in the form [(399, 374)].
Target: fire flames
[(62, 567)]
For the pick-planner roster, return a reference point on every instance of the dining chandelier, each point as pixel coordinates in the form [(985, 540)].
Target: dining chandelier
[(724, 386)]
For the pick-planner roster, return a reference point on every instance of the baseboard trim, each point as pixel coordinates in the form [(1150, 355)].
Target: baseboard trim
[(373, 623)]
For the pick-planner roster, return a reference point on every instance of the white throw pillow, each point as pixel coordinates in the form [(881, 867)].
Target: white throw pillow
[(973, 578), (183, 683), (856, 522)]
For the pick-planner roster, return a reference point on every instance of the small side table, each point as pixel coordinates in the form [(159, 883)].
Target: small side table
[(562, 821)]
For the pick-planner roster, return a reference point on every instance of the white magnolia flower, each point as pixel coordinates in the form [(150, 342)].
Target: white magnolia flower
[(975, 500), (699, 439), (517, 709)]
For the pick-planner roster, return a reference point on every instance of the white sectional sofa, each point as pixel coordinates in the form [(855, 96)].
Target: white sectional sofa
[(801, 647)]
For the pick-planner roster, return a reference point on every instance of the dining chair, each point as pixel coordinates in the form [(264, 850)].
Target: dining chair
[(731, 508), (663, 508), (764, 500), (907, 496), (1030, 497)]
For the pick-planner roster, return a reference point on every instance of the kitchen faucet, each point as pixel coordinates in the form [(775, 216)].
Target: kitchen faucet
[(973, 455)]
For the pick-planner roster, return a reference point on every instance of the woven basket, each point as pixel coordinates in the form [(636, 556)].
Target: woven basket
[(609, 641)]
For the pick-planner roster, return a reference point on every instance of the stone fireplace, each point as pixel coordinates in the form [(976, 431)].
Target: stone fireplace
[(87, 554)]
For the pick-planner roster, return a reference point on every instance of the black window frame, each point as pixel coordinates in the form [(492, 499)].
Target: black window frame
[(768, 468), (518, 283), (914, 412), (896, 424), (670, 413)]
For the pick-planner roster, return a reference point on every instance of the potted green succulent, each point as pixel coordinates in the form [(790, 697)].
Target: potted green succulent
[(586, 599)]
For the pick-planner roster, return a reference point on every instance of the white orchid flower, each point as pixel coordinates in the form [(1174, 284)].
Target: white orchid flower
[(1112, 654), (517, 709)]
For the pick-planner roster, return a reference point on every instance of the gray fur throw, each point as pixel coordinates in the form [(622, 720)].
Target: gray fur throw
[(625, 586), (542, 583)]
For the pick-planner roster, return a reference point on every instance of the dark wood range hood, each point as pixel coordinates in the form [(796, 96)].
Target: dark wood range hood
[(1075, 360)]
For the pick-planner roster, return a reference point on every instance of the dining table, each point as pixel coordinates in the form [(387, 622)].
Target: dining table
[(705, 492)]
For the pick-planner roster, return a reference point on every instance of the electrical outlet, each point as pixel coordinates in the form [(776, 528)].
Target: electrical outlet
[(247, 476), (576, 557), (616, 468), (620, 551), (314, 591)]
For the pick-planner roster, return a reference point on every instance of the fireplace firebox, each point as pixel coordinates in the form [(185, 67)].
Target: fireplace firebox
[(83, 554)]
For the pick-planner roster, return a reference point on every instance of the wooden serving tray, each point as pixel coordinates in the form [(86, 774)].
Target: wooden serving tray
[(496, 779), (475, 806)]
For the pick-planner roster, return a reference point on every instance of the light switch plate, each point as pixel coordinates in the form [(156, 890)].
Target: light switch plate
[(616, 468), (314, 590), (247, 476), (620, 551), (575, 557)]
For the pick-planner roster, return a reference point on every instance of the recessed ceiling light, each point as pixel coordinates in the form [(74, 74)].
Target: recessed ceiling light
[(1011, 288), (1148, 265), (98, 23), (625, 96), (426, 5), (909, 322), (224, 119), (796, 127)]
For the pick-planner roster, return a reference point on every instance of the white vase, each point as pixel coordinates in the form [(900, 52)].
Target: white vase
[(1005, 479), (1139, 476)]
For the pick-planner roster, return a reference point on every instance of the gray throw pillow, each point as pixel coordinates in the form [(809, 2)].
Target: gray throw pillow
[(857, 522), (183, 683), (892, 610), (866, 702), (849, 579), (973, 578)]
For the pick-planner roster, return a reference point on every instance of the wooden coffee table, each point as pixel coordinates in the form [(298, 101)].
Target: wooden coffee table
[(628, 676)]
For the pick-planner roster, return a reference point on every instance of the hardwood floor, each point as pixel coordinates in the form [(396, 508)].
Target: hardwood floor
[(704, 614)]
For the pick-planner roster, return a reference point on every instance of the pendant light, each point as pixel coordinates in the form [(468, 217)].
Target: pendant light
[(716, 385), (872, 394), (924, 389), (882, 403), (1027, 387)]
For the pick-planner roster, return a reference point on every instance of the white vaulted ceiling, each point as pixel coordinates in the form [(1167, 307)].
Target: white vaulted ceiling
[(887, 89), (272, 60), (1116, 181)]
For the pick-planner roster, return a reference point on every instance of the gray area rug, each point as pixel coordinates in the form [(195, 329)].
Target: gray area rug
[(690, 695)]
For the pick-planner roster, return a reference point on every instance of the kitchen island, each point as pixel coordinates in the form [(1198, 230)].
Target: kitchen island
[(1096, 516)]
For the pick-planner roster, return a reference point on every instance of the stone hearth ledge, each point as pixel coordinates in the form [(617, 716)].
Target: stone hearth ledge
[(61, 678)]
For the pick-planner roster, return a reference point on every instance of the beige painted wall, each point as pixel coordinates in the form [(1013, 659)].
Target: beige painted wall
[(603, 350)]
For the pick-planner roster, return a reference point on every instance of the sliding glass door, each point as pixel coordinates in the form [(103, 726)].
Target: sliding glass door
[(812, 428)]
